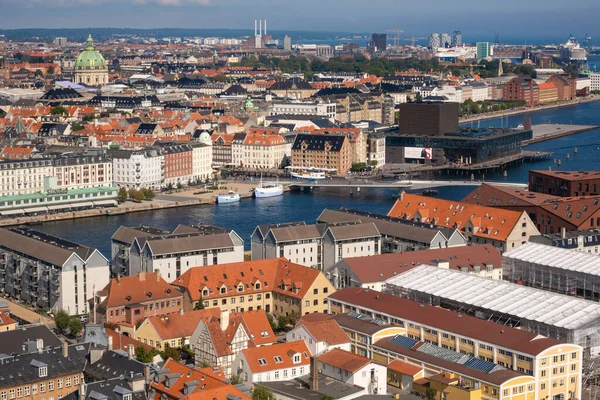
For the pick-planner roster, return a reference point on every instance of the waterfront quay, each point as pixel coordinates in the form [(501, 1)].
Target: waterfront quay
[(544, 132)]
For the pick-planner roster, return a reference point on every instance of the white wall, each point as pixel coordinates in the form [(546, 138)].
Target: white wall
[(361, 378), (315, 347)]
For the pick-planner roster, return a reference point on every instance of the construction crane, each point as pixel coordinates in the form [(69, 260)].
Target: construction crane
[(413, 40), (396, 36)]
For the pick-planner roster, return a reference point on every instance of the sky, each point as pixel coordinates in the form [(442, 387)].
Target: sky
[(479, 19)]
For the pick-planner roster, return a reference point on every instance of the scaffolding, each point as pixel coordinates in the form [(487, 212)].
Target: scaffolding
[(555, 269)]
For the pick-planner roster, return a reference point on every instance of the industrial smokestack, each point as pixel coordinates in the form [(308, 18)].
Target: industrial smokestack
[(254, 27), (265, 27), (314, 374), (260, 27)]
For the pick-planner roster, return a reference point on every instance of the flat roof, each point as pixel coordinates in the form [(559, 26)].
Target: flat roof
[(502, 297), (556, 257)]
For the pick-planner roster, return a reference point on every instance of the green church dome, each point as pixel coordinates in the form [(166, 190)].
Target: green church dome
[(89, 58)]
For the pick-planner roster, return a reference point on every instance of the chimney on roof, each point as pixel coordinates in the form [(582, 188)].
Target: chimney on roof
[(39, 343), (130, 352), (142, 276), (118, 279), (110, 343), (147, 373), (65, 349), (157, 274), (224, 320), (314, 374), (563, 232), (401, 197)]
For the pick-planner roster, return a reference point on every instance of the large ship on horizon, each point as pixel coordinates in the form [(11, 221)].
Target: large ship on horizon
[(572, 52)]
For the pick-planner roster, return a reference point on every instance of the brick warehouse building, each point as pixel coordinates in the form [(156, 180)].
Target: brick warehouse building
[(522, 89)]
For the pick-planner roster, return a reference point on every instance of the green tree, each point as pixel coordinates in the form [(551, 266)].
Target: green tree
[(87, 118), (50, 70), (2, 113), (38, 72), (122, 195), (431, 393), (199, 305), (179, 185), (272, 322), (236, 379), (144, 355), (171, 352), (136, 194), (282, 321), (75, 326), (58, 110), (61, 320), (170, 187), (262, 393), (148, 193), (359, 166)]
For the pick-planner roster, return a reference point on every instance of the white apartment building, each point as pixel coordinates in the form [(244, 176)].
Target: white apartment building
[(320, 336), (376, 150), (350, 240), (138, 168), (202, 158), (72, 172), (595, 81), (304, 108), (174, 254), (259, 151), (355, 370), (275, 363), (49, 272), (480, 92)]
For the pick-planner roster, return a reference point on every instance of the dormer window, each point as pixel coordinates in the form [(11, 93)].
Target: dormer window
[(240, 288), (205, 292), (223, 290), (42, 372), (127, 397), (297, 358), (257, 286), (278, 359)]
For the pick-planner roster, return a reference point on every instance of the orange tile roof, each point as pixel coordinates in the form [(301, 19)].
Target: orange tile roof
[(257, 139), (226, 392), (344, 360), (206, 381), (178, 325), (255, 323), (122, 342), (326, 331), (6, 319), (16, 153), (285, 351), (491, 223), (137, 289), (270, 273), (546, 86), (404, 368)]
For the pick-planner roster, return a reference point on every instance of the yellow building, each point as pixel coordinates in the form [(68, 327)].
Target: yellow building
[(555, 366), (173, 330), (276, 286), (419, 367)]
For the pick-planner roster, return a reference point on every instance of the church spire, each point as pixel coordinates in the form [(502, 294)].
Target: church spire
[(500, 69)]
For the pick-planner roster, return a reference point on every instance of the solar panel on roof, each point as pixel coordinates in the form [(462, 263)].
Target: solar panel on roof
[(480, 365), (404, 341)]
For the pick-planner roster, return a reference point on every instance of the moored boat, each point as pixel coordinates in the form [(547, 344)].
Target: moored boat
[(229, 197)]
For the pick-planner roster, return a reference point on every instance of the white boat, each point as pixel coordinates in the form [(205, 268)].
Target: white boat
[(312, 176), (269, 189), (229, 197)]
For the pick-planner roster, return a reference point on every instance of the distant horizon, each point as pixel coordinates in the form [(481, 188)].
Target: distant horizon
[(318, 35)]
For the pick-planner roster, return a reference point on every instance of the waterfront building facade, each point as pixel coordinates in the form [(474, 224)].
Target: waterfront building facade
[(135, 169), (330, 152), (48, 272), (258, 151), (565, 183)]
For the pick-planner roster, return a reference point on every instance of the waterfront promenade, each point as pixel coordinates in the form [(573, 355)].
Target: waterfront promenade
[(526, 110), (544, 132)]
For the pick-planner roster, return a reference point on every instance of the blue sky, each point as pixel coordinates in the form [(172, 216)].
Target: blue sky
[(512, 18)]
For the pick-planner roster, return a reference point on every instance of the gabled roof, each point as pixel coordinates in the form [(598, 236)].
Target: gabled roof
[(326, 331), (196, 379), (353, 231), (492, 223), (123, 291), (12, 341), (381, 267), (276, 356), (344, 360), (178, 325)]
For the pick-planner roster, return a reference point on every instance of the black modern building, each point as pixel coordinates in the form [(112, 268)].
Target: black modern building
[(379, 41)]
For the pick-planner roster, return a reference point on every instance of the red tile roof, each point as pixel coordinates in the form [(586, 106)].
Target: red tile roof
[(344, 360), (226, 392), (326, 331), (449, 321), (404, 368), (206, 381), (492, 223), (285, 351), (138, 289), (384, 266), (122, 342), (178, 325)]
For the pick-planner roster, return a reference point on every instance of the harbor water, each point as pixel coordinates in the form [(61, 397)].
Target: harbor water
[(244, 216)]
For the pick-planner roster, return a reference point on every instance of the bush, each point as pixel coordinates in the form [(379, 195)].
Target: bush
[(262, 393), (431, 393), (148, 194), (145, 356), (61, 320), (171, 352), (75, 326), (136, 194)]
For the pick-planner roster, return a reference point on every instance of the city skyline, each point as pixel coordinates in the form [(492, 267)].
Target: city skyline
[(511, 17)]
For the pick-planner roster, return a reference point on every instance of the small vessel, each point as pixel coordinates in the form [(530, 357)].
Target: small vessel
[(229, 197), (268, 189), (313, 176)]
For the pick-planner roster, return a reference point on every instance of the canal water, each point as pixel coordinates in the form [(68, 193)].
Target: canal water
[(243, 217)]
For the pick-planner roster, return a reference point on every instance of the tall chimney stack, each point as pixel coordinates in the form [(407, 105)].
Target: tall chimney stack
[(314, 374), (260, 27), (65, 349), (110, 343), (255, 28), (265, 27)]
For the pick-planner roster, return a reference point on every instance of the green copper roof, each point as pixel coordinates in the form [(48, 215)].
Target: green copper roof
[(90, 58)]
